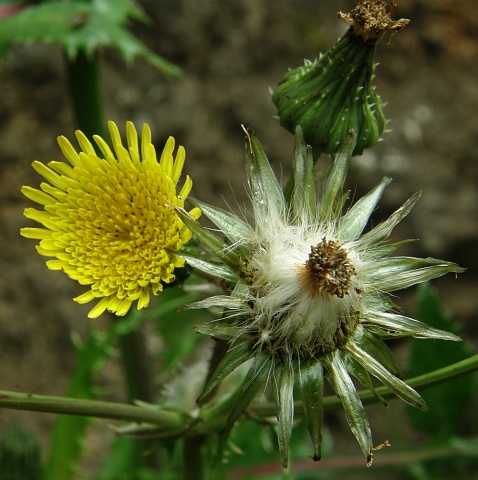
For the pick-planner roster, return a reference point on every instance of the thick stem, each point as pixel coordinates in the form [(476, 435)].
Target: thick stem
[(137, 366), (92, 408), (194, 465), (84, 83), (139, 378)]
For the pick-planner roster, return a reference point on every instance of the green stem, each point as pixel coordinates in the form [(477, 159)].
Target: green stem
[(168, 420), (139, 378), (85, 93), (421, 382), (173, 421), (194, 465), (137, 366)]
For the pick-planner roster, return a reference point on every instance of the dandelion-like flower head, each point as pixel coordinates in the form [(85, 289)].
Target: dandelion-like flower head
[(110, 223), (309, 293)]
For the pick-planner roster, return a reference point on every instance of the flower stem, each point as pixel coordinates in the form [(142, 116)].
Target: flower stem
[(168, 420), (137, 366), (84, 83), (173, 421), (193, 458), (332, 403)]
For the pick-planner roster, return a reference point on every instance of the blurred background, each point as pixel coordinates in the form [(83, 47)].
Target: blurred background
[(231, 53)]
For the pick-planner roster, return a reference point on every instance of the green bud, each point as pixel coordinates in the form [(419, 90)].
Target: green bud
[(334, 94)]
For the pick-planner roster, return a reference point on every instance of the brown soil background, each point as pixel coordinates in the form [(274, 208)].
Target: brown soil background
[(231, 53)]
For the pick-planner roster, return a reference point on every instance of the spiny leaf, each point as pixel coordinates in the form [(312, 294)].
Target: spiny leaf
[(447, 402), (80, 26)]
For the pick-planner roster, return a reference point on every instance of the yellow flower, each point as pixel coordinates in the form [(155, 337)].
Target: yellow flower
[(110, 223)]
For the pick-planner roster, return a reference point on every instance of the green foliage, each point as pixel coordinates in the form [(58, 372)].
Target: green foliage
[(125, 461), (81, 26), (19, 455), (447, 402), (180, 339), (69, 430)]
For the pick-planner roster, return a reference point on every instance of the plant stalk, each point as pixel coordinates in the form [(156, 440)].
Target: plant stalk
[(421, 382), (193, 458), (92, 408), (85, 93), (173, 421)]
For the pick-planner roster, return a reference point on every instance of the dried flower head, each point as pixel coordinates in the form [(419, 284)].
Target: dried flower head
[(110, 223), (370, 20), (310, 293)]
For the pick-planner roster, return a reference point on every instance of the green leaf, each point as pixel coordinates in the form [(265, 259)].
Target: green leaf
[(69, 430), (124, 461), (222, 271), (375, 347), (354, 411), (360, 373), (383, 230), (447, 402), (400, 388), (219, 330), (20, 455), (235, 229), (397, 273), (80, 26), (393, 325), (209, 241), (177, 330)]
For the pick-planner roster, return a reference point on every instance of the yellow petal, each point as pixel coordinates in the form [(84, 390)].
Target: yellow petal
[(178, 164), (67, 149), (84, 143), (37, 195), (188, 184)]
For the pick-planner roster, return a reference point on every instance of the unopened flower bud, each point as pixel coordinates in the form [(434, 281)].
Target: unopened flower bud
[(334, 94)]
